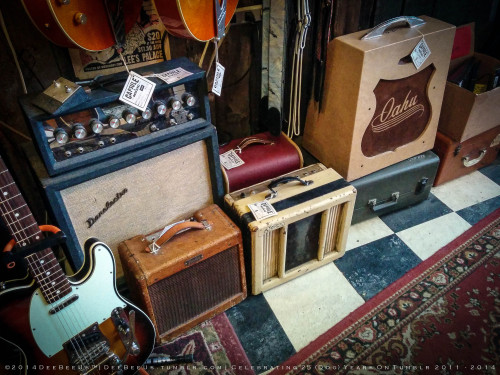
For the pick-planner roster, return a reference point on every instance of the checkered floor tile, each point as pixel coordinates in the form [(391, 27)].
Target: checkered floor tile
[(274, 325)]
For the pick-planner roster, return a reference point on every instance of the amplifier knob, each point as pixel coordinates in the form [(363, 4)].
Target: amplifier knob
[(79, 131), (175, 104), (189, 100), (61, 136), (96, 126), (146, 114), (161, 108), (129, 117), (114, 122)]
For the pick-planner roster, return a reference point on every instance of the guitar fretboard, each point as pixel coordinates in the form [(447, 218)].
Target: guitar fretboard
[(23, 228)]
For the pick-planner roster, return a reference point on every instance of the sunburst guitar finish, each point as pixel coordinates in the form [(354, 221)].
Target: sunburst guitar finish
[(192, 19)]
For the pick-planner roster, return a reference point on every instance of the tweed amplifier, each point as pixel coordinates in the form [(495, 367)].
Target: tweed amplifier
[(182, 279), (291, 229), (99, 126), (124, 196)]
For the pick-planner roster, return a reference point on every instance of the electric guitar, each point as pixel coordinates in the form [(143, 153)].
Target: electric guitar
[(92, 25), (68, 325)]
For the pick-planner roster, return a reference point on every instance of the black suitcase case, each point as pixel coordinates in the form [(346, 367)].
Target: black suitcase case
[(397, 186)]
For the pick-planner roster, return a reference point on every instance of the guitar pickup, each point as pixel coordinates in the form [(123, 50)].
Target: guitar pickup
[(66, 303)]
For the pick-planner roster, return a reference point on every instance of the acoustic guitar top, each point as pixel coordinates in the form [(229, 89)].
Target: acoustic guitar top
[(192, 19), (81, 23)]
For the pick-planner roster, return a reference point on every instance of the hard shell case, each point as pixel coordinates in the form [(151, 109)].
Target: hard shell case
[(309, 230), (461, 158), (395, 187), (263, 161), (194, 276)]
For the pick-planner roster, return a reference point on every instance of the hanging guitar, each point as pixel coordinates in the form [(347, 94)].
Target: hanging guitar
[(92, 25), (71, 325), (199, 20)]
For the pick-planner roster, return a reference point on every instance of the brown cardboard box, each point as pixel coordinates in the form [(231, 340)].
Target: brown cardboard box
[(379, 109), (464, 114)]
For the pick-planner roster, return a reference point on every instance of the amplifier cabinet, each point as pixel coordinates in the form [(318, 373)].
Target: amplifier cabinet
[(191, 277), (135, 192), (378, 108), (99, 126), (313, 211)]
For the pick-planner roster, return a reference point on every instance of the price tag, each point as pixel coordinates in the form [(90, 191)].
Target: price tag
[(174, 75), (230, 160), (262, 210), (218, 77), (420, 53), (137, 91)]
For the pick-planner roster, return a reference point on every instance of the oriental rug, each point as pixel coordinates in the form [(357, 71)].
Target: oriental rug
[(442, 317), (215, 348)]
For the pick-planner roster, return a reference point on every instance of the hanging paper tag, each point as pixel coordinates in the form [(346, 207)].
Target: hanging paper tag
[(174, 75), (420, 53), (218, 77), (137, 91), (230, 160), (262, 210)]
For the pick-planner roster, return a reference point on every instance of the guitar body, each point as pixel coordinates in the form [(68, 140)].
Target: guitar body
[(44, 335), (79, 23), (192, 19)]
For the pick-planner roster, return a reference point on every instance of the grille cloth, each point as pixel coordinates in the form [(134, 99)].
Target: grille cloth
[(195, 290)]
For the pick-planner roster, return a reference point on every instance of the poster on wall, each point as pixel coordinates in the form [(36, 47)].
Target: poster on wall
[(146, 43)]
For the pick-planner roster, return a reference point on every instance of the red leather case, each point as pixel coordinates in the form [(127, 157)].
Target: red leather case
[(262, 161), (461, 158)]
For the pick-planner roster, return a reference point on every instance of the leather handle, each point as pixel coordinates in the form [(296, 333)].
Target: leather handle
[(469, 163), (250, 141), (379, 30), (284, 180), (176, 229)]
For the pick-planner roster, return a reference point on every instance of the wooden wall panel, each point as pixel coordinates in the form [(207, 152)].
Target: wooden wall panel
[(386, 9), (418, 8)]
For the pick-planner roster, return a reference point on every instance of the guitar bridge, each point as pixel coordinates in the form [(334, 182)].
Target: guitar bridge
[(87, 347)]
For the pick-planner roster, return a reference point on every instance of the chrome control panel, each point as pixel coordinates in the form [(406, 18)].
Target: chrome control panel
[(95, 128)]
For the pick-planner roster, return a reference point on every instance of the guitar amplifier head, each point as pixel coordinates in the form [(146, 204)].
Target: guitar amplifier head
[(191, 278), (90, 127), (293, 224), (133, 193)]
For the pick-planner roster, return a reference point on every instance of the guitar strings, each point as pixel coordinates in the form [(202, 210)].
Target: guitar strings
[(17, 229)]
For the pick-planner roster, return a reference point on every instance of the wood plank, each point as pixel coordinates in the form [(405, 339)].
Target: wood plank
[(346, 17)]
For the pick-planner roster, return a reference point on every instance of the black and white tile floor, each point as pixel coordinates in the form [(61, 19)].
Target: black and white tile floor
[(276, 324)]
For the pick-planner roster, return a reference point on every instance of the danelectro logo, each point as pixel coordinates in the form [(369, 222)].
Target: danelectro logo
[(92, 220), (401, 115), (394, 114)]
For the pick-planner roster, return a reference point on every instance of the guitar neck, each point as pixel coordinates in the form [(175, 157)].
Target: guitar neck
[(22, 226)]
